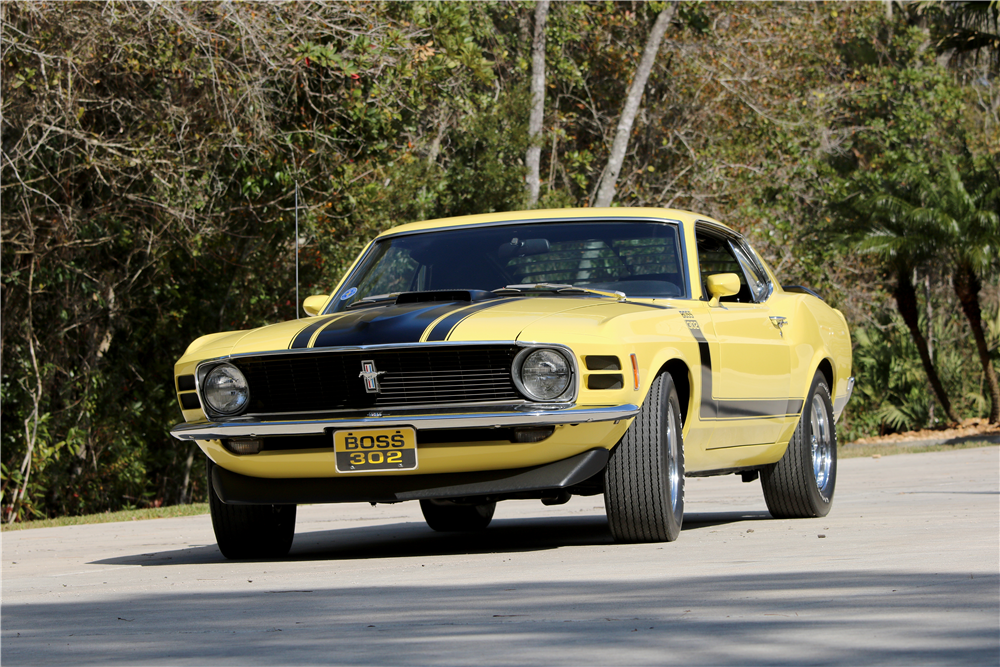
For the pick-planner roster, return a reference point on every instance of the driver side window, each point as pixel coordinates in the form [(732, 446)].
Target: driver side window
[(759, 283), (717, 254)]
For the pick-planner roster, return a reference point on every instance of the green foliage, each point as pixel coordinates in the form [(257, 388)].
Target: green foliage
[(170, 512), (892, 393), (150, 153)]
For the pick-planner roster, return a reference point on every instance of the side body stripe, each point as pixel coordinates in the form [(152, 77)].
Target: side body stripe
[(726, 408)]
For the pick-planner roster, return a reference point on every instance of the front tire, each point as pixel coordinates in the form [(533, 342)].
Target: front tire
[(446, 516), (644, 479), (250, 531), (801, 483)]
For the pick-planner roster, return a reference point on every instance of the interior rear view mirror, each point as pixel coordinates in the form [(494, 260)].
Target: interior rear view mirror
[(522, 247)]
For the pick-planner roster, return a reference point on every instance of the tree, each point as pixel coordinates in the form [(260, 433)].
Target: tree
[(149, 156), (150, 151), (881, 227), (961, 215), (899, 114), (606, 187), (965, 27), (533, 158)]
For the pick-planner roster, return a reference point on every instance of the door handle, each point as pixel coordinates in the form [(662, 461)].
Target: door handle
[(779, 322)]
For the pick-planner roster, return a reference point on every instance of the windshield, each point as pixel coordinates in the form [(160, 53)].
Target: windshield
[(641, 259)]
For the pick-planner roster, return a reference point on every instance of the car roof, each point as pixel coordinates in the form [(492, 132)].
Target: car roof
[(556, 215)]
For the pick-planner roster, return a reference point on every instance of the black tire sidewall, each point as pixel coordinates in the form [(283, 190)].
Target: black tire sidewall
[(637, 479), (250, 531), (789, 485), (447, 517)]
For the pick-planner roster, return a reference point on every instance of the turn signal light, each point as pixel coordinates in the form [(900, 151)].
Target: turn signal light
[(533, 433), (244, 446)]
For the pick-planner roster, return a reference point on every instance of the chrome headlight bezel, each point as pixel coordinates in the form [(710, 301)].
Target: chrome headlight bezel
[(205, 377), (567, 394)]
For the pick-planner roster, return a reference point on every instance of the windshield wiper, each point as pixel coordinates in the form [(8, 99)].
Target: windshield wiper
[(560, 289), (373, 299)]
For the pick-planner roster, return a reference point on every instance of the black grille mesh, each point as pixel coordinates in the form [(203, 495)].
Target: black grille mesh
[(413, 376)]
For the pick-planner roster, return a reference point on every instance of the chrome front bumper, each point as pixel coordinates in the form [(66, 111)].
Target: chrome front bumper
[(250, 428)]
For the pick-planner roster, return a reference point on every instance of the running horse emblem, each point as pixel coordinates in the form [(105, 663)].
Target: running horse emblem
[(370, 374)]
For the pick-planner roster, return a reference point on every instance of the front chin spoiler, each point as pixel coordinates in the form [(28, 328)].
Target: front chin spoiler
[(236, 489)]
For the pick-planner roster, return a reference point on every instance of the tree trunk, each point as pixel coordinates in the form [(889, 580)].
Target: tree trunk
[(606, 190), (435, 147), (967, 286), (533, 158), (906, 301), (182, 498), (929, 307)]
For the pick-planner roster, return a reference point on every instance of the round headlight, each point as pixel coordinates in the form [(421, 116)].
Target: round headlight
[(226, 390), (544, 375)]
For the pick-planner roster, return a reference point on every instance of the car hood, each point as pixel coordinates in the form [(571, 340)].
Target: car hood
[(500, 319)]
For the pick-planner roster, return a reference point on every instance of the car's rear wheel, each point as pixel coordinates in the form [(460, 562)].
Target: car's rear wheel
[(447, 516), (802, 482), (250, 531), (644, 479)]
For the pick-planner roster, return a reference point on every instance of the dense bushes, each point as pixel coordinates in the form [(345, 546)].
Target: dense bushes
[(151, 152)]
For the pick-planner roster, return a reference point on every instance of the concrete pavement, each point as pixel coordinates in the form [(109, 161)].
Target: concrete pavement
[(905, 570)]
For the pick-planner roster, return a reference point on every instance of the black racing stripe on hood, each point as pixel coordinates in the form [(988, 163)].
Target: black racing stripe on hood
[(384, 325), (302, 339), (443, 329)]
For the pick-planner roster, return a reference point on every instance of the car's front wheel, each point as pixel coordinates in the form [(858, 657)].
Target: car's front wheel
[(801, 483), (447, 516), (644, 480), (250, 531)]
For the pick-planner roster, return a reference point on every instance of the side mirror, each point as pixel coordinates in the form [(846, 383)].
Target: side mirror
[(313, 305), (722, 284)]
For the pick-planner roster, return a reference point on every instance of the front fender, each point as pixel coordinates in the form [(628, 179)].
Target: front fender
[(822, 342)]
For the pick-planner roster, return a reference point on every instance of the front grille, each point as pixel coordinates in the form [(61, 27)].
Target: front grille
[(320, 381)]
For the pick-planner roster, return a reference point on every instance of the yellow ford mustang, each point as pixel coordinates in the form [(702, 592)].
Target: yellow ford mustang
[(541, 354)]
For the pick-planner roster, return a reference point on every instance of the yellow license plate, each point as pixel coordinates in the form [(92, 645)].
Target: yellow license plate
[(383, 449)]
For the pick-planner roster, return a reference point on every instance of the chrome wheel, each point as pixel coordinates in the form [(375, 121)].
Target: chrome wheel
[(673, 461), (802, 483), (822, 443)]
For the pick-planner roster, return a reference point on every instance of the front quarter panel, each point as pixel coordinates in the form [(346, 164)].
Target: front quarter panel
[(657, 332), (819, 338)]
